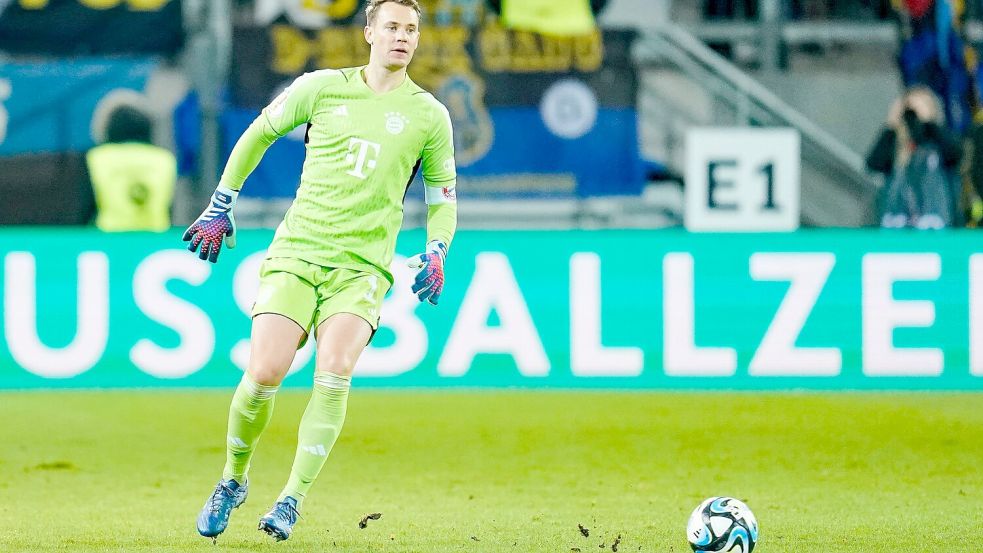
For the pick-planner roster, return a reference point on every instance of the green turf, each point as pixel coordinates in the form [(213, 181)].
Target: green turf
[(502, 471)]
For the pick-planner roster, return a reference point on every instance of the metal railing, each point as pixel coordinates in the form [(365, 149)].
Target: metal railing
[(793, 33), (846, 181)]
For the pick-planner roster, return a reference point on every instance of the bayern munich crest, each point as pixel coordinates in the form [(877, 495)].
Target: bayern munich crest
[(396, 122)]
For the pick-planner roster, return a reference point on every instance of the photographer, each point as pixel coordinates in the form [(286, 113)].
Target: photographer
[(919, 157)]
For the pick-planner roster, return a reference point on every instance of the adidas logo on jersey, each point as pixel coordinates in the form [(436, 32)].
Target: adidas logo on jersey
[(340, 111)]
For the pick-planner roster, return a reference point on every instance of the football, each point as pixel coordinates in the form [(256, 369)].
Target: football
[(722, 524)]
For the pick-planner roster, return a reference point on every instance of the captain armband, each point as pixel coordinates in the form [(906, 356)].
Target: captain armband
[(437, 195)]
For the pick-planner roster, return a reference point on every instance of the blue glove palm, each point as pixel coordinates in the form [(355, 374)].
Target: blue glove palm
[(429, 281), (213, 224)]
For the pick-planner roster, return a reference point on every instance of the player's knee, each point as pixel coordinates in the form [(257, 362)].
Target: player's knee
[(337, 363), (268, 372)]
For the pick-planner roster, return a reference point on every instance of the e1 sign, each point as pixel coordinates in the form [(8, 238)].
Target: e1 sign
[(742, 179)]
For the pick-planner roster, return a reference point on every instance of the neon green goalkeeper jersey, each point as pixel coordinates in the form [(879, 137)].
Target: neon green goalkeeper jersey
[(363, 150)]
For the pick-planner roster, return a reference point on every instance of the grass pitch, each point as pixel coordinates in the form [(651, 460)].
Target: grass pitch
[(501, 471)]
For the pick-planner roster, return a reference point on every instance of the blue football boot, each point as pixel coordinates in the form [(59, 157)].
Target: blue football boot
[(279, 522), (214, 516)]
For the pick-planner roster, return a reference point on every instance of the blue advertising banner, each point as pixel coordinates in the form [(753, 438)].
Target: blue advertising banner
[(49, 106), (827, 310)]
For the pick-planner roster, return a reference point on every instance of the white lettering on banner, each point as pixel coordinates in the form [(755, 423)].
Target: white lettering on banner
[(588, 357), (194, 328), (681, 356), (976, 314), (20, 317), (245, 286), (493, 287), (777, 354), (410, 346), (882, 314)]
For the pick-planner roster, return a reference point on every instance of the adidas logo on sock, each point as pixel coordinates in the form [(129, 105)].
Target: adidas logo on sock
[(315, 450), (236, 442)]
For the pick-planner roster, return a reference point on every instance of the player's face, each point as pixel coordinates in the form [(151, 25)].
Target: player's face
[(394, 35)]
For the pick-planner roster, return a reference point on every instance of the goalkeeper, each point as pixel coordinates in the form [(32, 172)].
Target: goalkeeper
[(369, 130)]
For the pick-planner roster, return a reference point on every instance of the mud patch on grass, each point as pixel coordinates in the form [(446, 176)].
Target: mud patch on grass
[(55, 465)]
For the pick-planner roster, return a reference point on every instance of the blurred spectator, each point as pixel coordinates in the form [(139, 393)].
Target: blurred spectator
[(918, 156), (972, 191), (550, 17), (132, 180), (931, 53), (971, 31)]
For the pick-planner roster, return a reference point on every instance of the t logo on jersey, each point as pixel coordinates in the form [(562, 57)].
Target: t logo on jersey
[(362, 154)]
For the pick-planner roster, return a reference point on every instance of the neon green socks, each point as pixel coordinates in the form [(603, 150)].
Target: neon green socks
[(250, 412), (319, 428)]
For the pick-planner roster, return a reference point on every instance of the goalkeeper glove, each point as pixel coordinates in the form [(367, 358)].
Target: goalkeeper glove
[(214, 223), (430, 275)]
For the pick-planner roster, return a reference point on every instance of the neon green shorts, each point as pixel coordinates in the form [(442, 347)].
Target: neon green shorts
[(308, 294)]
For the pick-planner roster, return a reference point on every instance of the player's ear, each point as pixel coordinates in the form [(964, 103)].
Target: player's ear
[(367, 31)]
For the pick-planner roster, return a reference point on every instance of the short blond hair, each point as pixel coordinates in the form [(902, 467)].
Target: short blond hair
[(373, 7)]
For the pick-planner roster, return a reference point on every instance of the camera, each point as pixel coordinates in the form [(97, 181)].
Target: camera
[(916, 128)]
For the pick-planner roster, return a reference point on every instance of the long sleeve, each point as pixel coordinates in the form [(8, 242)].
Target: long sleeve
[(291, 108), (247, 153), (440, 178), (881, 156), (442, 222)]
